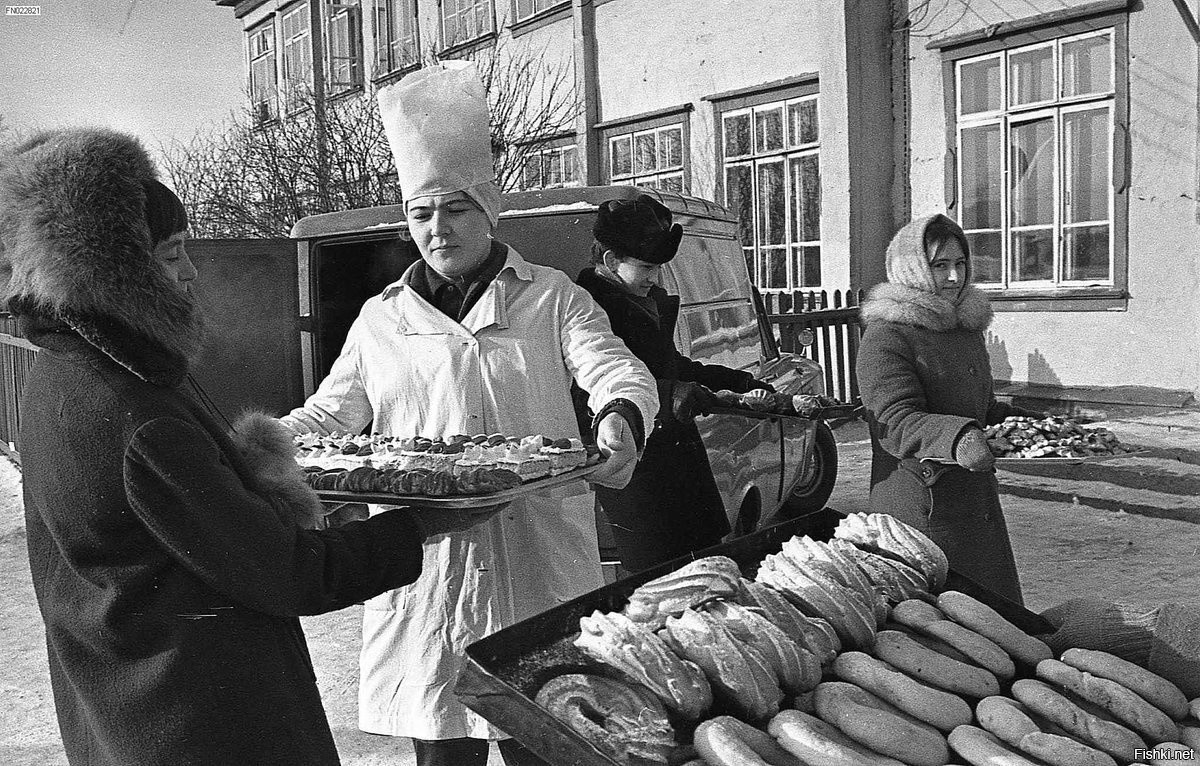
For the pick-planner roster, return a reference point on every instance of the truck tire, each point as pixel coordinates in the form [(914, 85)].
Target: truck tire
[(810, 496)]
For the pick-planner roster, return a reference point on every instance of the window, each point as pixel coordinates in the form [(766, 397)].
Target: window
[(1038, 117), (550, 168), (263, 79), (397, 45), (652, 159), (297, 57), (527, 8), (465, 20), (343, 65), (771, 174)]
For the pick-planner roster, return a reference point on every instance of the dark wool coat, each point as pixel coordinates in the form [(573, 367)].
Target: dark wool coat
[(168, 568), (924, 375), (671, 506)]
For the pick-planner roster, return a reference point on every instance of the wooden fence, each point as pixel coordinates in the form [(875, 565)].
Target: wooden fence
[(833, 322), (16, 357)]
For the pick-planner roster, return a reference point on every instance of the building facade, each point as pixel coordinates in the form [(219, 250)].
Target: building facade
[(1062, 135)]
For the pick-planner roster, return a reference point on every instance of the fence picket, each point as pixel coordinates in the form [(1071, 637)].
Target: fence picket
[(835, 325)]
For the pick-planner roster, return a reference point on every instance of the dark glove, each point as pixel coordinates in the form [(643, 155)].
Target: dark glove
[(690, 399), (972, 452), (760, 384)]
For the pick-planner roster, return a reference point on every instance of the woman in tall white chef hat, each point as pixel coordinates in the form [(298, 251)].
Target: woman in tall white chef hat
[(473, 339)]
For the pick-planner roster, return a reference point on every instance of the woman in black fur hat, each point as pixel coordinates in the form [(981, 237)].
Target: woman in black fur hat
[(671, 506), (169, 561)]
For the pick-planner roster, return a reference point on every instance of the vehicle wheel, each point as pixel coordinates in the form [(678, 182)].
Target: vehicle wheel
[(811, 495), (748, 516)]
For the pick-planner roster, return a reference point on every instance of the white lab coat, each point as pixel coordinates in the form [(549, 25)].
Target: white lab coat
[(507, 368)]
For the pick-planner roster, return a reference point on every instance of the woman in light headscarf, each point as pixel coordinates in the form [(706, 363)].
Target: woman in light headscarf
[(927, 385)]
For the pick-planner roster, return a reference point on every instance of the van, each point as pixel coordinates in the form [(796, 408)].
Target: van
[(765, 468)]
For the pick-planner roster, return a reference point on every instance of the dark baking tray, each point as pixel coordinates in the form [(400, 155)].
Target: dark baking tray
[(503, 671)]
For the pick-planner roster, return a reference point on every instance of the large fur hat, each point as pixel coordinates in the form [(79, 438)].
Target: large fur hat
[(639, 228), (75, 245)]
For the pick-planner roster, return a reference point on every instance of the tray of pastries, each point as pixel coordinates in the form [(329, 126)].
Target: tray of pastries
[(1018, 440), (761, 650), (459, 471), (765, 404)]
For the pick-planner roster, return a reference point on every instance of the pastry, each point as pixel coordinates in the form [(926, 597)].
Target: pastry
[(691, 585), (624, 721)]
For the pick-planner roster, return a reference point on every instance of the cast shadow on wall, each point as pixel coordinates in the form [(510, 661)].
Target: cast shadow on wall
[(1040, 371), (998, 357)]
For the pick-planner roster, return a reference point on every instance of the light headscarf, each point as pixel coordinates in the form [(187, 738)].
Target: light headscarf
[(907, 262)]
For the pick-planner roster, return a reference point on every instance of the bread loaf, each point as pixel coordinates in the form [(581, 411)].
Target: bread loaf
[(1058, 750), (692, 584), (929, 620), (1152, 687), (615, 640), (933, 668), (726, 741), (1005, 718), (880, 726), (982, 619), (1115, 699), (1113, 738), (980, 748), (936, 707), (737, 671), (814, 741), (1172, 754)]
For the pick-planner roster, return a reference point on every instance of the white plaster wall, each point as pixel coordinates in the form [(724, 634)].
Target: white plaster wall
[(652, 55), (1156, 342)]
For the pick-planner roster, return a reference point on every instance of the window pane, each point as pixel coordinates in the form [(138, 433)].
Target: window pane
[(1087, 66), (739, 198), (1032, 255), (737, 135), (621, 156), (985, 256), (806, 199), (772, 205), (644, 153), (670, 148), (979, 86), (1031, 76), (768, 130), (570, 160), (981, 177), (802, 122), (1032, 164), (1086, 166), (1085, 253), (531, 178), (807, 265), (774, 267), (525, 8), (671, 184), (552, 168)]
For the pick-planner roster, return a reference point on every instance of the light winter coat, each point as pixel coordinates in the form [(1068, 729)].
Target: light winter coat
[(408, 369), (167, 566), (925, 377)]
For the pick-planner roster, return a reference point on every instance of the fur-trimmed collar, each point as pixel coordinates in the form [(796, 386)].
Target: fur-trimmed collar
[(75, 248), (887, 302)]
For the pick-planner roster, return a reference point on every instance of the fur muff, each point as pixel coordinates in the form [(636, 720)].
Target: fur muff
[(75, 244), (887, 302), (266, 446)]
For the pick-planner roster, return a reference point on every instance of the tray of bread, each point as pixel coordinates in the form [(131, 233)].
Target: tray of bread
[(1053, 439), (822, 640), (459, 471), (765, 404)]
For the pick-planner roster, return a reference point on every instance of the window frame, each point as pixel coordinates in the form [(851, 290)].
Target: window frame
[(784, 93), (642, 124), (1052, 29), (393, 64), (452, 45), (266, 30), (351, 10), (561, 145), (286, 43)]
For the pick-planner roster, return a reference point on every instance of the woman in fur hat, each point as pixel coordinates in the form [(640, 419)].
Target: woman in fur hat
[(167, 559), (927, 385), (671, 506)]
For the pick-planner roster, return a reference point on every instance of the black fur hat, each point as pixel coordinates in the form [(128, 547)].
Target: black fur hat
[(638, 228), (76, 244)]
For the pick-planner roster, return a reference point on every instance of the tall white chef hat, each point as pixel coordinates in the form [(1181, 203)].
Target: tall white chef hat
[(436, 122)]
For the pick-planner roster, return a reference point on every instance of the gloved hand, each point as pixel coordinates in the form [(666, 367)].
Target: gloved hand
[(756, 384), (440, 521), (971, 451), (690, 399)]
